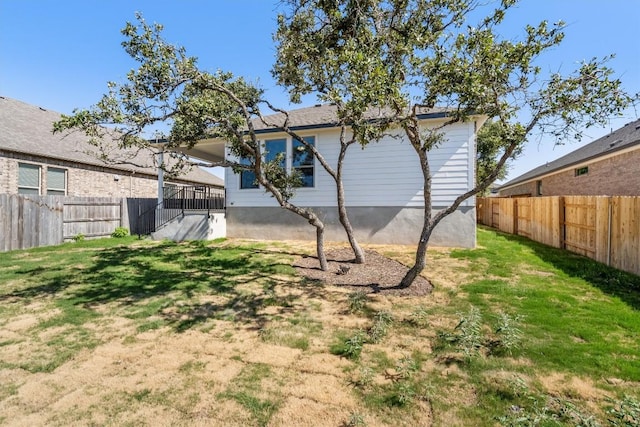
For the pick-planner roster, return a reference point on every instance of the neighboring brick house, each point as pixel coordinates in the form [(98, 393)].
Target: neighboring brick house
[(609, 166), (35, 161)]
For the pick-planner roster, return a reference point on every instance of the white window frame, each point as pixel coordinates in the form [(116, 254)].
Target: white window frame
[(313, 166), (66, 174), (288, 161), (39, 187)]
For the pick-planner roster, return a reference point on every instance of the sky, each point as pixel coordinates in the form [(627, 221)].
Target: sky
[(59, 55)]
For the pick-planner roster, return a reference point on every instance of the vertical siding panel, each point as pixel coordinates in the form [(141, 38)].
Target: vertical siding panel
[(616, 228), (635, 214), (569, 217), (555, 225), (505, 218), (27, 216), (626, 235), (4, 220), (620, 227), (534, 212), (601, 240)]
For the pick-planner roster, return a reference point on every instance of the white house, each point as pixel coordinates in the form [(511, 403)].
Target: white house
[(383, 184)]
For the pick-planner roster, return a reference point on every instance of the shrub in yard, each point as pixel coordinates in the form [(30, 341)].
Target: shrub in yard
[(468, 335), (356, 419), (419, 317), (350, 347), (509, 336), (78, 237), (381, 322), (357, 301), (625, 412), (120, 232)]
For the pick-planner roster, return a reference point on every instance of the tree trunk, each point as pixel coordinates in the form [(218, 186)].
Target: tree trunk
[(412, 130), (336, 174), (306, 213), (421, 258), (320, 247), (342, 209), (344, 220)]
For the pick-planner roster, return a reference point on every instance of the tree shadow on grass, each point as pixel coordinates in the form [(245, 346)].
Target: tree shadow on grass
[(193, 274), (609, 280)]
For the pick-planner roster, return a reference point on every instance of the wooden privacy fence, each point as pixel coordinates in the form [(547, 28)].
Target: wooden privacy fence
[(32, 221), (606, 229)]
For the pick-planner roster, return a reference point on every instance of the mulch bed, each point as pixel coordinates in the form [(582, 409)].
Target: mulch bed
[(378, 275)]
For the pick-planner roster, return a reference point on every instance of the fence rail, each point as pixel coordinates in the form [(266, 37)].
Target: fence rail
[(32, 221), (606, 229)]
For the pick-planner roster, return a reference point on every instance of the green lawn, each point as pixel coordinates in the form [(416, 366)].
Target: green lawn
[(226, 333)]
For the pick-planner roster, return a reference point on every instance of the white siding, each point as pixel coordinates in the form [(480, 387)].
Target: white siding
[(386, 173)]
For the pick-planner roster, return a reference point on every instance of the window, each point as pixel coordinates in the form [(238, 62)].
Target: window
[(303, 160), (539, 188), (272, 148), (56, 182), (28, 179), (582, 171), (247, 177)]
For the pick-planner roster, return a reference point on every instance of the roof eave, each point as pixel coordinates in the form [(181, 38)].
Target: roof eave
[(518, 181)]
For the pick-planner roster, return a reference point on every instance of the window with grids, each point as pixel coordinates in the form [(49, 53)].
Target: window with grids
[(56, 182), (28, 179), (272, 148), (302, 160)]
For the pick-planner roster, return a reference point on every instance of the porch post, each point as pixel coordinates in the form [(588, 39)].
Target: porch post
[(160, 179)]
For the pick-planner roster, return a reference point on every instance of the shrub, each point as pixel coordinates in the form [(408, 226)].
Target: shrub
[(120, 232), (419, 317), (78, 237), (625, 412), (508, 333), (350, 347), (356, 419), (469, 338), (382, 321), (357, 301)]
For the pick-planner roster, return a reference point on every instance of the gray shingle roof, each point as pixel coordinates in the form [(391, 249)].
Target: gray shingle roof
[(27, 129), (625, 137), (321, 116)]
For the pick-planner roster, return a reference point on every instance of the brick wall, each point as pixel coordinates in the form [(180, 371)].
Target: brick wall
[(614, 176), (526, 189), (82, 180)]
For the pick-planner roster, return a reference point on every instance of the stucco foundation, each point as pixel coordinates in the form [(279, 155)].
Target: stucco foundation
[(381, 225)]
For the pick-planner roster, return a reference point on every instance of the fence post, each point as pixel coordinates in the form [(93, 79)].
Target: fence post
[(609, 229), (515, 216), (122, 208), (562, 226)]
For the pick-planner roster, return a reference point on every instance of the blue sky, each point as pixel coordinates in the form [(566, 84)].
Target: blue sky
[(60, 54)]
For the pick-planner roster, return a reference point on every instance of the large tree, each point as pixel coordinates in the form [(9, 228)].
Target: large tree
[(168, 89), (405, 56)]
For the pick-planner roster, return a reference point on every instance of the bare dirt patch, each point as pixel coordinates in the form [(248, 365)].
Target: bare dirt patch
[(379, 275)]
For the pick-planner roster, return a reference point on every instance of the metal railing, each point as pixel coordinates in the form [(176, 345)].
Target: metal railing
[(176, 201)]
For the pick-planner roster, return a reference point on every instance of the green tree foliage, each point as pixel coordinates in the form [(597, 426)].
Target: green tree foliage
[(489, 145), (384, 62), (168, 89)]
